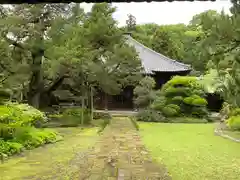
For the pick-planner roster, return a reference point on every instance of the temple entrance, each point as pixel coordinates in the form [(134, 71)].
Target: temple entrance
[(122, 101)]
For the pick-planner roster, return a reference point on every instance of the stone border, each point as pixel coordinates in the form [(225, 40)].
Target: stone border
[(218, 131)]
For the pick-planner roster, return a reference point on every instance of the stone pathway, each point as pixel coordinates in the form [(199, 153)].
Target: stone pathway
[(120, 155)]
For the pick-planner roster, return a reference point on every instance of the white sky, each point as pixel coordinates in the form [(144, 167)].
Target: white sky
[(163, 12)]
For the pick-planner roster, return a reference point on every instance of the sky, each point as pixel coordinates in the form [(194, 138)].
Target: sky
[(163, 12)]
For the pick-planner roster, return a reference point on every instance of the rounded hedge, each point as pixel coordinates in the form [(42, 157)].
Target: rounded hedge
[(169, 111), (235, 112), (177, 99), (174, 106), (173, 91), (234, 123), (199, 102)]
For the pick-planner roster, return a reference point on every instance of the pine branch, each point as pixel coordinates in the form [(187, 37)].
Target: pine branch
[(237, 44), (12, 42)]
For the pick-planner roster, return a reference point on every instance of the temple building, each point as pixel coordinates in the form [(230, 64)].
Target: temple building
[(154, 64)]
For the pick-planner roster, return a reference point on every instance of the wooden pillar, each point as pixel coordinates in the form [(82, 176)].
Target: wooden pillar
[(105, 101)]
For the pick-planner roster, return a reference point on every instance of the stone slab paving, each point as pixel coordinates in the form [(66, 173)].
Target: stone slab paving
[(120, 155)]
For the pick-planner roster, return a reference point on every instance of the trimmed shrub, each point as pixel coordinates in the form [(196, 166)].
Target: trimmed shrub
[(174, 106), (183, 95), (177, 91), (234, 123), (150, 115), (177, 100), (199, 112), (7, 131), (159, 103), (31, 137), (68, 118), (188, 120), (169, 111), (20, 115), (181, 81), (10, 148), (199, 102), (188, 100), (235, 112), (144, 92), (101, 115), (76, 114)]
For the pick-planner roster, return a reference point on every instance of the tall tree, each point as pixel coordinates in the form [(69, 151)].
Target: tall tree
[(164, 43), (25, 27), (222, 47), (131, 23)]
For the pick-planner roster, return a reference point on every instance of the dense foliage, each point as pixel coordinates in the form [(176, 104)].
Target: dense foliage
[(47, 47), (144, 92), (51, 48), (182, 96), (18, 130)]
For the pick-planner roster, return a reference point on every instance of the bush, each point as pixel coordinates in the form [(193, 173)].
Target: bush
[(234, 123), (199, 102), (188, 120), (134, 122), (101, 115), (180, 91), (7, 131), (144, 92), (10, 148), (177, 100), (180, 81), (149, 115), (183, 94), (235, 112), (31, 137), (76, 114), (168, 111), (20, 115), (174, 106), (5, 95), (199, 112), (159, 103)]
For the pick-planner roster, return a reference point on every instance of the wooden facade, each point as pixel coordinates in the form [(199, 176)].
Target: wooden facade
[(124, 100)]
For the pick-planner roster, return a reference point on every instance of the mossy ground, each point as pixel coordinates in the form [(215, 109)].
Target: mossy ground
[(52, 161), (117, 154)]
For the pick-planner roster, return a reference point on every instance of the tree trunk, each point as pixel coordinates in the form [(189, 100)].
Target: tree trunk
[(47, 97), (36, 82), (91, 102), (106, 101)]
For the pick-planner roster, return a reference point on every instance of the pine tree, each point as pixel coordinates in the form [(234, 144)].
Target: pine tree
[(131, 23)]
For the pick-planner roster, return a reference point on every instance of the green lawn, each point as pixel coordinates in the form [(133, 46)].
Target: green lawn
[(192, 151), (51, 161)]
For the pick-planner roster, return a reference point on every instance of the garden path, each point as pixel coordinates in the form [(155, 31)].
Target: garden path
[(120, 155)]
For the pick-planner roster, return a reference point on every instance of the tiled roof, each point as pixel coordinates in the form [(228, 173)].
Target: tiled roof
[(153, 61)]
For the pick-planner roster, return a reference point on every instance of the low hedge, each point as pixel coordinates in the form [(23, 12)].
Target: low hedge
[(150, 115), (234, 123), (101, 115)]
